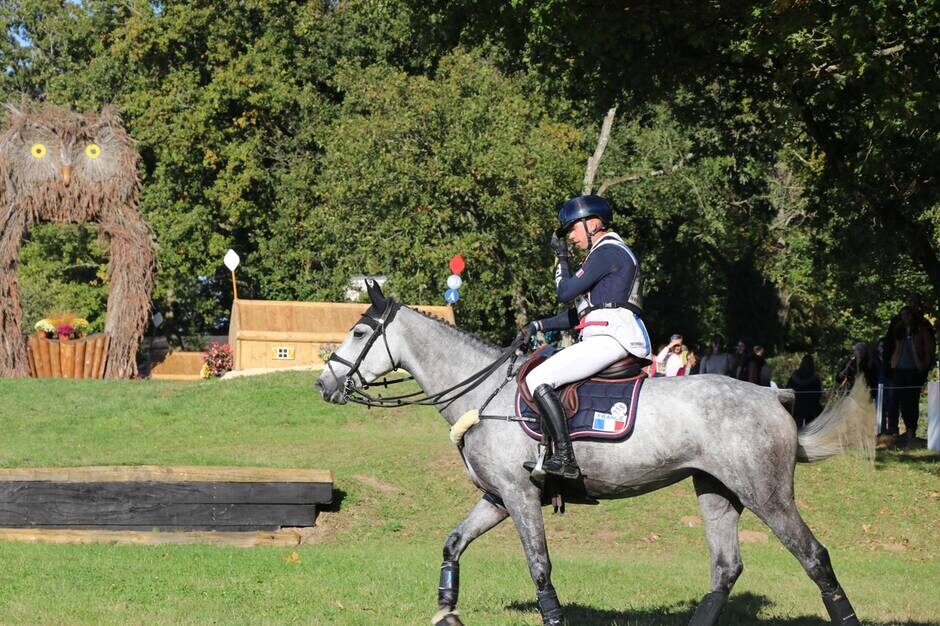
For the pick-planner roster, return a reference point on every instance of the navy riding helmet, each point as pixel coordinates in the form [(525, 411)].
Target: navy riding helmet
[(583, 207)]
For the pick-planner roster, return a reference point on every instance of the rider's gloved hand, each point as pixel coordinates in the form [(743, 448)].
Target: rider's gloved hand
[(559, 247), (526, 333)]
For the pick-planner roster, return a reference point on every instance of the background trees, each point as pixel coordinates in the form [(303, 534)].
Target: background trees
[(776, 159)]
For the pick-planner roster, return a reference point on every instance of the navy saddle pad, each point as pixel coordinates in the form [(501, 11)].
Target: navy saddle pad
[(606, 410)]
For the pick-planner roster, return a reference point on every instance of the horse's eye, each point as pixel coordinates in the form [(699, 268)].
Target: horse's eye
[(358, 334)]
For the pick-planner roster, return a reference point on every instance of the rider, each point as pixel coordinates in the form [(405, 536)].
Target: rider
[(606, 291)]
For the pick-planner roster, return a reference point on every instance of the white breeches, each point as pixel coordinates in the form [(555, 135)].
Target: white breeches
[(577, 361)]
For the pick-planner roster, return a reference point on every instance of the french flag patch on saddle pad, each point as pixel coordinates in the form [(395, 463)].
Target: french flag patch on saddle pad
[(606, 410)]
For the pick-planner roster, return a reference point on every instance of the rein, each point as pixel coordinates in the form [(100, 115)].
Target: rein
[(447, 396)]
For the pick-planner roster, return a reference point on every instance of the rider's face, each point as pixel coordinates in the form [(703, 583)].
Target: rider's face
[(578, 235)]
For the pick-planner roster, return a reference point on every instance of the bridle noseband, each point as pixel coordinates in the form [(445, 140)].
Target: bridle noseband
[(378, 325)]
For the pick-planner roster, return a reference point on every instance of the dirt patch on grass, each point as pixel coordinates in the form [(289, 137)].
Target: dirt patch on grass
[(383, 487), (691, 521)]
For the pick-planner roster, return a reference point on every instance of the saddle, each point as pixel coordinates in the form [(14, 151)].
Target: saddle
[(626, 368)]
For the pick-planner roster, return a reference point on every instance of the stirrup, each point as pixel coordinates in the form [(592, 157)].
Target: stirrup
[(535, 467)]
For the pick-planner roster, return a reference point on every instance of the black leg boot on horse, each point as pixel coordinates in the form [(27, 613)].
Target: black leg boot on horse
[(562, 462)]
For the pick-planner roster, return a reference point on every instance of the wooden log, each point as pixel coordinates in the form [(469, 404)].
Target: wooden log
[(96, 360), (43, 363), (106, 342), (130, 514), (144, 493), (281, 538), (165, 473), (67, 358), (32, 345), (78, 363), (56, 367), (170, 498), (89, 363)]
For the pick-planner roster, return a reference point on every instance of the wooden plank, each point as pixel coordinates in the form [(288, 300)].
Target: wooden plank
[(78, 362), (189, 377), (55, 366), (293, 336), (96, 358), (89, 364), (106, 340), (67, 358), (44, 363), (142, 492), (131, 514), (32, 345), (281, 538), (161, 473), (178, 366)]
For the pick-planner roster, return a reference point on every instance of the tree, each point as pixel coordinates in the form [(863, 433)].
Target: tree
[(417, 169)]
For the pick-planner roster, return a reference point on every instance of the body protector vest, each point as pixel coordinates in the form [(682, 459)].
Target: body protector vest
[(607, 291)]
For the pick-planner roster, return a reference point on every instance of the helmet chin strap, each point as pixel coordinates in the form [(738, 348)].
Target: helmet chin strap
[(590, 233)]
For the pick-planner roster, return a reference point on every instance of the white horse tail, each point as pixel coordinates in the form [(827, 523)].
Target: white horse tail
[(847, 423)]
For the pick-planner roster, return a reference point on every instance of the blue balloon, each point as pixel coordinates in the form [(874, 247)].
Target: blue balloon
[(451, 296)]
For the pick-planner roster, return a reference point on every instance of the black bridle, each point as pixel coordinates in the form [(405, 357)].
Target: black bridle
[(358, 394)]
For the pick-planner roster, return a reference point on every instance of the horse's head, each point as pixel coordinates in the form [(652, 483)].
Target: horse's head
[(365, 353)]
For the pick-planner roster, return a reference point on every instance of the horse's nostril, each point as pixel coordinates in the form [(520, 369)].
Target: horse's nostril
[(319, 385)]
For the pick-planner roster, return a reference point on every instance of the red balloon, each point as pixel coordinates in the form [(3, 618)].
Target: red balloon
[(457, 264)]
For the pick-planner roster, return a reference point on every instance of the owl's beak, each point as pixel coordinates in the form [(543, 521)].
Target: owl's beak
[(66, 174)]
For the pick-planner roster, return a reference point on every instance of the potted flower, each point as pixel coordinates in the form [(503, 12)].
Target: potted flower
[(45, 329), (217, 360), (64, 326)]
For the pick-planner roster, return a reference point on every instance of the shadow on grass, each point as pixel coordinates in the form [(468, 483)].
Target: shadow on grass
[(336, 503), (741, 609), (919, 458)]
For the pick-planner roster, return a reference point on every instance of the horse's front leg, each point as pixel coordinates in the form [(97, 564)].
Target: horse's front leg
[(526, 511), (485, 515)]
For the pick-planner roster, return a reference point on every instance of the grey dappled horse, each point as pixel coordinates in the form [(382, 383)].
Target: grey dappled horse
[(735, 439)]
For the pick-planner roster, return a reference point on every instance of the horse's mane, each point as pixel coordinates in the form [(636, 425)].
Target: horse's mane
[(474, 339)]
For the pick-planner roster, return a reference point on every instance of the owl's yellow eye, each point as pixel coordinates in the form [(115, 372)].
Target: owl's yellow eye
[(38, 150), (92, 151)]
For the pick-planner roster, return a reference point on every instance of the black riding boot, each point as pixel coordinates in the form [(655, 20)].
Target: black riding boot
[(562, 462)]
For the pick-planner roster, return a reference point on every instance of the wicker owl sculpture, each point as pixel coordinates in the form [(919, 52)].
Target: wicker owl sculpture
[(66, 167)]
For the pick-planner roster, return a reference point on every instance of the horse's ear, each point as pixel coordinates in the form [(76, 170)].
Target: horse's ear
[(375, 293)]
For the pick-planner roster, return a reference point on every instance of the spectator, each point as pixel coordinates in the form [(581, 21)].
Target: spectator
[(881, 368), (758, 371), (692, 362), (911, 359), (741, 360), (807, 387), (717, 361), (671, 360)]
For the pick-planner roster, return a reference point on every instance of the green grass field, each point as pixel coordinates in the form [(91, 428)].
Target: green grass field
[(403, 488)]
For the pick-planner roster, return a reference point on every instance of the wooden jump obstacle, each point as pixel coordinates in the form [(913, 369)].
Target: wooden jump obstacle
[(156, 498), (75, 358), (275, 334)]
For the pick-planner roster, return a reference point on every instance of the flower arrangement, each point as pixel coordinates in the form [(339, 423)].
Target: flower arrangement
[(217, 360), (62, 325), (326, 350)]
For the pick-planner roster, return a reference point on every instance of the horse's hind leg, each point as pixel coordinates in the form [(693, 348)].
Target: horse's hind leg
[(782, 516), (487, 513), (721, 511)]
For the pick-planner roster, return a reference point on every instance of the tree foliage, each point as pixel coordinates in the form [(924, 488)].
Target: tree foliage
[(775, 161)]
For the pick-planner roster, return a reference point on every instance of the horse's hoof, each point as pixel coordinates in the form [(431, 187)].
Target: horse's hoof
[(446, 617)]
